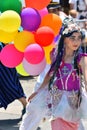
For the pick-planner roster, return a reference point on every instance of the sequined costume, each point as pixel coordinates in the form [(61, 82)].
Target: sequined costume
[(61, 102)]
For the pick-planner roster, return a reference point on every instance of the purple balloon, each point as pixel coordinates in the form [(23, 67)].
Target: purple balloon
[(30, 19)]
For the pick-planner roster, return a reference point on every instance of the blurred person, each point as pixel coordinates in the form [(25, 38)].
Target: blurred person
[(85, 25), (10, 87), (55, 7), (65, 6), (73, 13), (84, 43), (80, 6)]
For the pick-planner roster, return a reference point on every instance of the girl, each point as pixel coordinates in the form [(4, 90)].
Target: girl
[(60, 96)]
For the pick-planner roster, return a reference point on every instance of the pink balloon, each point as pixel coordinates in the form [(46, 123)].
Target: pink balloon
[(10, 56), (34, 53), (34, 69), (43, 12)]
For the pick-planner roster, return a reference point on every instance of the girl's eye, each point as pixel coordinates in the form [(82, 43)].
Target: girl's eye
[(75, 39), (72, 38)]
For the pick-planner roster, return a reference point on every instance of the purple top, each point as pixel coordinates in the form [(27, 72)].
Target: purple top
[(67, 77)]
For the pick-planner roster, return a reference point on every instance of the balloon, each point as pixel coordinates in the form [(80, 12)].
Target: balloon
[(47, 50), (21, 71), (37, 4), (30, 19), (53, 21), (7, 37), (15, 5), (44, 36), (10, 21), (10, 56), (43, 12), (34, 53), (34, 69), (23, 39)]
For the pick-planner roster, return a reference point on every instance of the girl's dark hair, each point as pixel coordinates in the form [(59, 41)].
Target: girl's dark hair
[(56, 64)]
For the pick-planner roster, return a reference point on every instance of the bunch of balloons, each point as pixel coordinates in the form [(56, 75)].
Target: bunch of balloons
[(28, 34)]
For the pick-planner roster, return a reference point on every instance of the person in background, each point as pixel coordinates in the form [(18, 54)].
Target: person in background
[(62, 96), (55, 7), (80, 6), (84, 43), (65, 6), (10, 87), (85, 25), (73, 13)]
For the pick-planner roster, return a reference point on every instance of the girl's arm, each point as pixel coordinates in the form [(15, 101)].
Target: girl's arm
[(45, 82), (83, 63), (53, 55)]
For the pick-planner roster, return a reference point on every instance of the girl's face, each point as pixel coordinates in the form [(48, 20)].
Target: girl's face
[(74, 41)]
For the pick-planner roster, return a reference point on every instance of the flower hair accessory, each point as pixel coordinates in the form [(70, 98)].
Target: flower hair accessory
[(70, 26)]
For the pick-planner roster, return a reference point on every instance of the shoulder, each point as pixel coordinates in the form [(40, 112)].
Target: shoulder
[(82, 58)]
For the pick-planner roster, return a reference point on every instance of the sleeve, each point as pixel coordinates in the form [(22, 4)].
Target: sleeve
[(41, 77), (80, 56)]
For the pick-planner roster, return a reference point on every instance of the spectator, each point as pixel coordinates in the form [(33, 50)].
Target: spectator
[(10, 87), (80, 6)]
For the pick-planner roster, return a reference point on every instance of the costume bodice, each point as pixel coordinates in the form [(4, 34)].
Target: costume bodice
[(67, 78)]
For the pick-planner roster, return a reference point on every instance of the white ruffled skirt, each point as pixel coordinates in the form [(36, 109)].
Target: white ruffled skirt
[(53, 105)]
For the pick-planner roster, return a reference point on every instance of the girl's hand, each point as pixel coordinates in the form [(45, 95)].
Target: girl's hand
[(32, 95)]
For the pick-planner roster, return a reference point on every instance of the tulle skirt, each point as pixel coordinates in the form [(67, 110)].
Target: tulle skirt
[(59, 104)]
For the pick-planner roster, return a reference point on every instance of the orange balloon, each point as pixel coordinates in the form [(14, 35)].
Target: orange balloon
[(7, 37), (53, 21), (37, 4), (23, 39), (47, 51)]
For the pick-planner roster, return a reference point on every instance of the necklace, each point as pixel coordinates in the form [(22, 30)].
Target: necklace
[(65, 70)]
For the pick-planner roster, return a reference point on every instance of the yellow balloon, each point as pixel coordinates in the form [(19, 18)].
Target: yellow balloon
[(47, 50), (21, 71), (6, 37), (10, 21), (23, 39)]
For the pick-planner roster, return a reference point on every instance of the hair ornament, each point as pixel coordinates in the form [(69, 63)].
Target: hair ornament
[(70, 26)]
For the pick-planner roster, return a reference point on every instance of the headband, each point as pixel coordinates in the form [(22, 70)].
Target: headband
[(70, 26)]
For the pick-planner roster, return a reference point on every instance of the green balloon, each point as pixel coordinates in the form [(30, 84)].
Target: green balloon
[(15, 5), (21, 70)]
